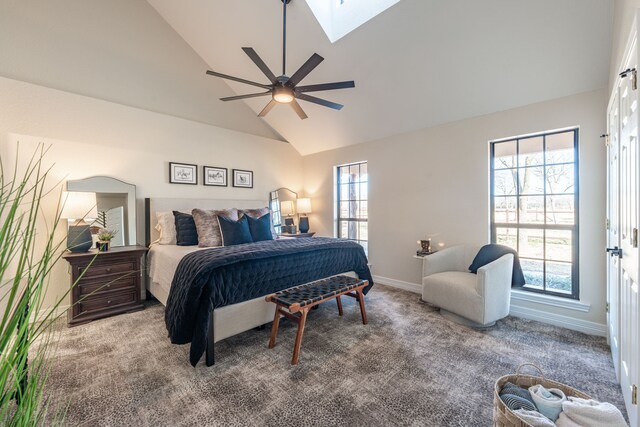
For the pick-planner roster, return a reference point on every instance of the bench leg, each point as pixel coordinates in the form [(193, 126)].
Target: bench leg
[(296, 347), (363, 312), (274, 328), (339, 301)]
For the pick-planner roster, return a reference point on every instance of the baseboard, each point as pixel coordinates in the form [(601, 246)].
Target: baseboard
[(407, 286), (60, 311), (586, 326)]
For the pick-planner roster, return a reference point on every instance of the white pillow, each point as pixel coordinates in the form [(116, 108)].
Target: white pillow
[(167, 228)]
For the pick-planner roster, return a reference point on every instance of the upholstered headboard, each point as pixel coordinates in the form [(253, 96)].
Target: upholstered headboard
[(153, 205)]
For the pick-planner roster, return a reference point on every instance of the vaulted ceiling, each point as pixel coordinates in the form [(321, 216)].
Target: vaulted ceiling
[(418, 64)]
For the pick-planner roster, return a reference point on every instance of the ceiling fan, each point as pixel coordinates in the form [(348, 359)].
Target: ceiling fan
[(284, 89)]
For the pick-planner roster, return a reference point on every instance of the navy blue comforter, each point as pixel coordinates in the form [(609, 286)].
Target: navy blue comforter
[(217, 277)]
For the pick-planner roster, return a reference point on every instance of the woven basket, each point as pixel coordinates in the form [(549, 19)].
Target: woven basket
[(505, 417)]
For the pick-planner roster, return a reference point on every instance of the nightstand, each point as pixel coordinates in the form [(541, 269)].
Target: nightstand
[(297, 235), (110, 284)]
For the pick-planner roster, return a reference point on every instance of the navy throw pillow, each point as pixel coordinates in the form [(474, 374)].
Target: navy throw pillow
[(186, 232), (234, 232), (260, 228)]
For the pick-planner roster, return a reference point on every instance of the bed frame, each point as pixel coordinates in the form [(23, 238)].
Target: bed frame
[(228, 320)]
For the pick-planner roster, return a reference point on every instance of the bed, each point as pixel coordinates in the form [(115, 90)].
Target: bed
[(223, 286)]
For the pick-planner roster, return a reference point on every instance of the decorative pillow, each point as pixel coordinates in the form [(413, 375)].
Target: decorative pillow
[(167, 228), (234, 232), (208, 227), (260, 228), (259, 213), (186, 233)]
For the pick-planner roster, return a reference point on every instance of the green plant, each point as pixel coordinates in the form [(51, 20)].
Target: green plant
[(105, 235), (28, 252)]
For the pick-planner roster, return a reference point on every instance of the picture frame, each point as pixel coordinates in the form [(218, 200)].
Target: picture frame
[(183, 173), (242, 178), (214, 176)]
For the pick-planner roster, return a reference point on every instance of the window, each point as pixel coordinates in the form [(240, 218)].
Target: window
[(534, 207), (351, 203), (274, 205)]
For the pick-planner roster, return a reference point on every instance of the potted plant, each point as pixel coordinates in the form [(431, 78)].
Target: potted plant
[(104, 238)]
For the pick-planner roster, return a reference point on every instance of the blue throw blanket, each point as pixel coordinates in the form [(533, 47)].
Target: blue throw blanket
[(490, 253), (217, 277)]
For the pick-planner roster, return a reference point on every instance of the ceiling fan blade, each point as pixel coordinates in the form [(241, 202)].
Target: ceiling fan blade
[(298, 109), (260, 63), (237, 79), (268, 108), (326, 86), (306, 68), (319, 101), (251, 95)]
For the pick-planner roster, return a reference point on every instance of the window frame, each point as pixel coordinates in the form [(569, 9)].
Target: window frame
[(575, 228), (338, 217)]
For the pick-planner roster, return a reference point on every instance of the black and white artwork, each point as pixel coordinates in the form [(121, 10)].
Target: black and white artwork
[(183, 173), (215, 176), (242, 178)]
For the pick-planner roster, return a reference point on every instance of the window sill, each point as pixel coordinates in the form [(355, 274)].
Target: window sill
[(517, 295)]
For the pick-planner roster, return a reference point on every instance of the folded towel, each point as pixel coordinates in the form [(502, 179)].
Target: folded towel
[(514, 402), (510, 388), (577, 412), (535, 418), (549, 402)]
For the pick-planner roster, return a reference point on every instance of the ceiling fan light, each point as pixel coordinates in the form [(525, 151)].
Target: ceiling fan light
[(283, 95)]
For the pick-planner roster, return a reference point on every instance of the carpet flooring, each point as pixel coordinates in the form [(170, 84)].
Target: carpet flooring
[(408, 366)]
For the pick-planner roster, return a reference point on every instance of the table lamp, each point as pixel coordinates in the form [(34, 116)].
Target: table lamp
[(303, 208), (77, 206), (287, 209)]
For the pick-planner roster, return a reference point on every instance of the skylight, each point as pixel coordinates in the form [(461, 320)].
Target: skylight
[(339, 17)]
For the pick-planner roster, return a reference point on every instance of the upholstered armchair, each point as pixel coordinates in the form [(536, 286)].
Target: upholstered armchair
[(476, 300)]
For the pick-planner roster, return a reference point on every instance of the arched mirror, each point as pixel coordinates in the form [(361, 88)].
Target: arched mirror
[(116, 203), (282, 203)]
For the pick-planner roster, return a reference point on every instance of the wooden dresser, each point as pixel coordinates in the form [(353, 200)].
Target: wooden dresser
[(111, 283)]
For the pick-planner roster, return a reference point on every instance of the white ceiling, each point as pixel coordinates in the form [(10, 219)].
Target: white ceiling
[(419, 64)]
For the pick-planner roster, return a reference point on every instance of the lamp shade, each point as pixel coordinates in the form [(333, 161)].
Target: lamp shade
[(304, 205), (286, 208), (78, 205)]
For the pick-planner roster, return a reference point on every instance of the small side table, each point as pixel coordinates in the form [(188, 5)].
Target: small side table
[(110, 284), (298, 235)]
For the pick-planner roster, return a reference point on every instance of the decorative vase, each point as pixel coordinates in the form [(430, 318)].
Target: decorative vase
[(102, 245), (79, 238)]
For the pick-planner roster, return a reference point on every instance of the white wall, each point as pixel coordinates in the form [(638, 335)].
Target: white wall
[(118, 50), (94, 137), (624, 11), (435, 182)]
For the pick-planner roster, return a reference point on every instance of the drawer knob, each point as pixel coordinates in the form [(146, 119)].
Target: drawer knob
[(108, 269), (109, 302), (108, 286)]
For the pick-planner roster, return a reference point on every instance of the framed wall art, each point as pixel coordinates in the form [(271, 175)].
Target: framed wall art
[(214, 176), (183, 173), (242, 178)]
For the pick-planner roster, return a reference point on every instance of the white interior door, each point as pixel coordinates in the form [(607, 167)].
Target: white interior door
[(613, 235), (629, 319)]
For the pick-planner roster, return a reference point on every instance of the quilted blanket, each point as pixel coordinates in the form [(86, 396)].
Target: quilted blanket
[(217, 277)]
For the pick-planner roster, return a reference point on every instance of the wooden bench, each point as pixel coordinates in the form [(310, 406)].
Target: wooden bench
[(295, 303)]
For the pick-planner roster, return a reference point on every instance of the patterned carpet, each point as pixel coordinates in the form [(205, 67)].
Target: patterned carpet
[(409, 366)]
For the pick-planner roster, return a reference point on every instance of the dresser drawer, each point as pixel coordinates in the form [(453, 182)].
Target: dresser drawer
[(106, 284), (99, 268), (106, 301)]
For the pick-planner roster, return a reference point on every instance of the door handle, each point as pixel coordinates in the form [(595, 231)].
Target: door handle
[(615, 252)]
